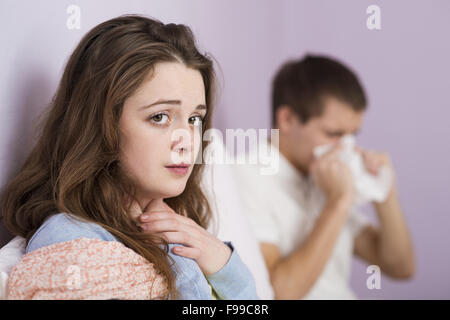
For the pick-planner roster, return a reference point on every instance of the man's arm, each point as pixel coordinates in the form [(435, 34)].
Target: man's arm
[(388, 246), (294, 275)]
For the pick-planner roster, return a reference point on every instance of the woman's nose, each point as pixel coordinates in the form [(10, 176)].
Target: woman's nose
[(181, 140)]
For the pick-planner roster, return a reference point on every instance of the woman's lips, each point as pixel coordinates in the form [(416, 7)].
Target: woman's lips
[(179, 169)]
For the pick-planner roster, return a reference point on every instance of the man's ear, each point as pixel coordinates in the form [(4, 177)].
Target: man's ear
[(285, 118)]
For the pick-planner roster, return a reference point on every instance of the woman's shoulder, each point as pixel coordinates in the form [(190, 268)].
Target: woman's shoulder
[(63, 227)]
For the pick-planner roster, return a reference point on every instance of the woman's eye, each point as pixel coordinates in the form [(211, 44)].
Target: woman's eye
[(160, 118), (196, 120)]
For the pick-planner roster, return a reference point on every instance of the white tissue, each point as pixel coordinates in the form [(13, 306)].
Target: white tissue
[(368, 187)]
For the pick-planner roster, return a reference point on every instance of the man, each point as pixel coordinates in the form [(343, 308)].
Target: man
[(304, 215)]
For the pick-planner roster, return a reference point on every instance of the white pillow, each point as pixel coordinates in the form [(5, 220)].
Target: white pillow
[(229, 220), (10, 255)]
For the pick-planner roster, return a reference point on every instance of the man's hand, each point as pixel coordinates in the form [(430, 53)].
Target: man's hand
[(373, 162), (333, 177)]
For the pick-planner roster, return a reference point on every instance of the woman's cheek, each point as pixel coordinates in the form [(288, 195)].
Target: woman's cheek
[(197, 143)]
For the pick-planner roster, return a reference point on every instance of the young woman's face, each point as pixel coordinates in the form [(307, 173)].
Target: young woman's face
[(161, 127)]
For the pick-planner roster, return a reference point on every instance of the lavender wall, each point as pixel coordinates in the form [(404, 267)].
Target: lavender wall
[(405, 69), (403, 66)]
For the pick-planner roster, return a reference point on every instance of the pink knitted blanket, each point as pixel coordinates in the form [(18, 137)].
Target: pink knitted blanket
[(85, 269)]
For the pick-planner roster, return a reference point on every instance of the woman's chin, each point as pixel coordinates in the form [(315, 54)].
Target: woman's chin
[(169, 189), (172, 191)]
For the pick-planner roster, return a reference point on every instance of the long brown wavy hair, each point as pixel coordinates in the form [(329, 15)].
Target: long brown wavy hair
[(75, 167)]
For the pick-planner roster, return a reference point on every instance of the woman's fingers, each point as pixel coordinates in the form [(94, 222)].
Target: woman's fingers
[(172, 225), (154, 215), (161, 225), (161, 215), (178, 237), (188, 252), (195, 243)]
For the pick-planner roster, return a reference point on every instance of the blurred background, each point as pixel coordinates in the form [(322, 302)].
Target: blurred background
[(404, 67)]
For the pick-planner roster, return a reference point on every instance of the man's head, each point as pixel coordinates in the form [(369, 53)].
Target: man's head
[(315, 101)]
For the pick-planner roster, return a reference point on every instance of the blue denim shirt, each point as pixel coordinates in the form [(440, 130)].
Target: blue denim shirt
[(233, 281)]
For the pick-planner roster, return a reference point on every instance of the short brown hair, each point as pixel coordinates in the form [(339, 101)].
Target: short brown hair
[(302, 85)]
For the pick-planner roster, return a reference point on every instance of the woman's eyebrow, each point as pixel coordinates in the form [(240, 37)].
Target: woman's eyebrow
[(173, 102)]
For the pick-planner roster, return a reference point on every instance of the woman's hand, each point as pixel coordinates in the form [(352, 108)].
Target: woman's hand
[(210, 253)]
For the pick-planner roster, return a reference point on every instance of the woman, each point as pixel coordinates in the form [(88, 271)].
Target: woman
[(109, 200)]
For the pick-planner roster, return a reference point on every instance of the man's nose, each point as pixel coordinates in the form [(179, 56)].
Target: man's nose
[(335, 141)]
